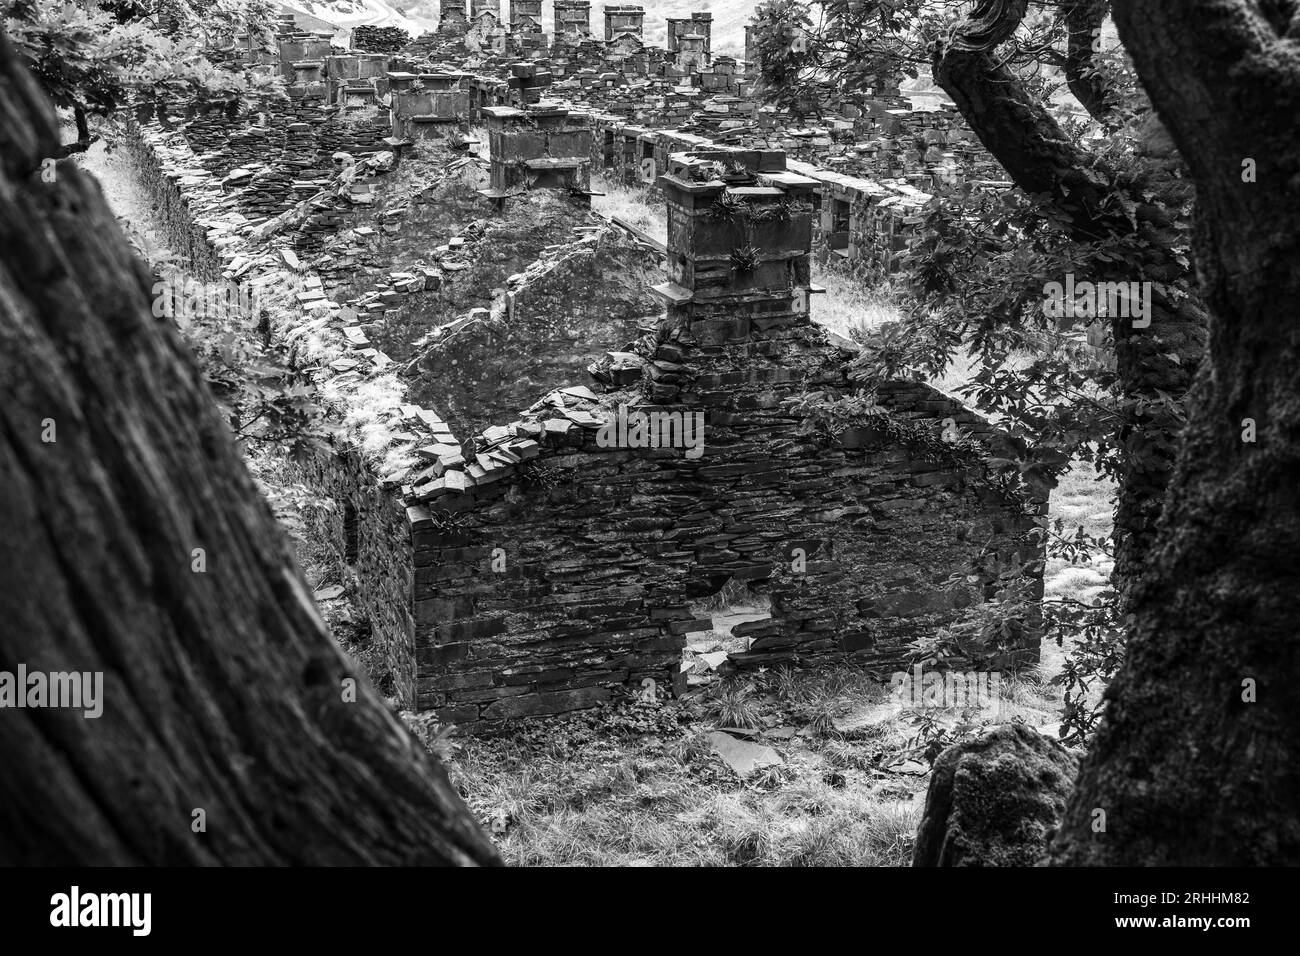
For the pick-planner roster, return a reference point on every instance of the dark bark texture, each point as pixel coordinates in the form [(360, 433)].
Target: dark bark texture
[(1038, 156), (1083, 20), (222, 691), (1187, 770)]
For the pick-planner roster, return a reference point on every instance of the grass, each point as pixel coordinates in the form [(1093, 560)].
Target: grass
[(848, 306), (631, 205), (593, 791), (637, 783)]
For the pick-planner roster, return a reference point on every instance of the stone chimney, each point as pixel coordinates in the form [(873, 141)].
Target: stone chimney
[(623, 18), (692, 53), (452, 17), (526, 16), (428, 105), (697, 24), (702, 25), (572, 17), (739, 244), (539, 147)]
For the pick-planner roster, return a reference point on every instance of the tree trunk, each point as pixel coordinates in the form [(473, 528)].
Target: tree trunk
[(1190, 767), (222, 692), (1031, 146), (83, 141)]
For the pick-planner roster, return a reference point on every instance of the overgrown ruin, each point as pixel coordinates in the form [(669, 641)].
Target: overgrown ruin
[(560, 435)]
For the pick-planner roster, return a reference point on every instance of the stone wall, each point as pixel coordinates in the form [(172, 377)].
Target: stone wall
[(602, 551), (554, 319), (366, 526), (559, 565)]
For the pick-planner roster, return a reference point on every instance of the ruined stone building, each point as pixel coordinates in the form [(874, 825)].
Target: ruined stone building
[(560, 562), (560, 437)]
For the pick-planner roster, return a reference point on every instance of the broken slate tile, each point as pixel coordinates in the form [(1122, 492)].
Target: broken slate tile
[(742, 757), (580, 391), (557, 427)]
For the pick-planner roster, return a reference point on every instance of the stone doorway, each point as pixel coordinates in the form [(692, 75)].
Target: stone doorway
[(722, 616)]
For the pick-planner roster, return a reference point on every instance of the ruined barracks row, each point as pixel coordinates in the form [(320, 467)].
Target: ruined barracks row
[(517, 564), (878, 162)]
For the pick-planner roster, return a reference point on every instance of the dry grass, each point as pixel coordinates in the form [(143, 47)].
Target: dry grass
[(637, 784), (632, 206), (848, 306), (588, 796)]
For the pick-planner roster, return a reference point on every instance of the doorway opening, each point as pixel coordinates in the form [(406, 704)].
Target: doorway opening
[(721, 617)]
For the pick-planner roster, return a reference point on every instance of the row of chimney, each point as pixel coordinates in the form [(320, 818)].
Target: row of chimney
[(574, 16)]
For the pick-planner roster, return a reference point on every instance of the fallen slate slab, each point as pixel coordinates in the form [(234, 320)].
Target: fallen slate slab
[(740, 756), (704, 647), (747, 732), (714, 660)]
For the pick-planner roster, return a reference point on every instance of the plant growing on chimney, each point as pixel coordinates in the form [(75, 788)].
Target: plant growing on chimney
[(705, 172), (734, 171), (781, 211), (744, 259), (728, 206)]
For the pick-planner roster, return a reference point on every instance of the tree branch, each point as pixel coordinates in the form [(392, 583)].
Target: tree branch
[(1083, 20)]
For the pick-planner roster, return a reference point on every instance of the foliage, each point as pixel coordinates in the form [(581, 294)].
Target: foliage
[(251, 379), (812, 54), (745, 258), (537, 475), (829, 415), (733, 705), (1093, 659), (90, 59), (433, 734), (1092, 636), (932, 736), (991, 633), (257, 392), (727, 206), (449, 522), (781, 211)]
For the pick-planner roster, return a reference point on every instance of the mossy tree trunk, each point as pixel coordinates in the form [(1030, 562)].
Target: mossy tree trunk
[(1198, 758), (222, 692)]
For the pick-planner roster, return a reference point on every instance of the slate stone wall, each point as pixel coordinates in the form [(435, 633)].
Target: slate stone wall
[(557, 565), (600, 551), (366, 528)]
